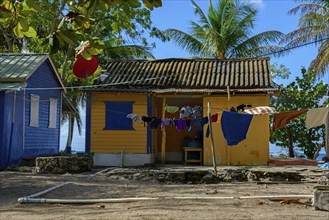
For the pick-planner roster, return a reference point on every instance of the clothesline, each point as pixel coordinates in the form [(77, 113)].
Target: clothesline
[(235, 125)]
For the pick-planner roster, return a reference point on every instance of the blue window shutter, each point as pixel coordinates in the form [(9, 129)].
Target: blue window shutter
[(116, 115)]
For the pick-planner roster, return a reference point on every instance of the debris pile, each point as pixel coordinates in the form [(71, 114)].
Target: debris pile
[(63, 164)]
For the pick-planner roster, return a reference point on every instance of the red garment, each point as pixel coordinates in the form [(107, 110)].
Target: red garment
[(214, 117), (283, 118)]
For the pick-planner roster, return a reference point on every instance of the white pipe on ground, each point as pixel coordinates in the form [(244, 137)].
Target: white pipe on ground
[(32, 198), (202, 198), (278, 197), (102, 171), (122, 200), (81, 201), (47, 190)]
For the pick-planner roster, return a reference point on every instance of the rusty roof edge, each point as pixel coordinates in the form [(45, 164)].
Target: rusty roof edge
[(187, 59), (168, 90)]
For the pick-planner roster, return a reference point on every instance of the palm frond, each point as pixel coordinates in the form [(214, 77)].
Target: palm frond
[(258, 45), (321, 63), (313, 19), (261, 51), (199, 13), (311, 34), (309, 8), (129, 52), (185, 41)]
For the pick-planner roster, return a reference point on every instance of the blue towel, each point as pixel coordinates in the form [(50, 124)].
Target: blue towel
[(235, 126), (324, 166)]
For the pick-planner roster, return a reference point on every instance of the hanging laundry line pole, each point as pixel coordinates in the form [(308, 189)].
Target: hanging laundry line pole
[(228, 107), (212, 140), (163, 142)]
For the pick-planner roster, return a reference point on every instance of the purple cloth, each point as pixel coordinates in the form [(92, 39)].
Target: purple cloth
[(180, 124), (165, 122)]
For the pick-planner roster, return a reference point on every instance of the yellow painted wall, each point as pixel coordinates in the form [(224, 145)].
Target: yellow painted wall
[(254, 150), (112, 141)]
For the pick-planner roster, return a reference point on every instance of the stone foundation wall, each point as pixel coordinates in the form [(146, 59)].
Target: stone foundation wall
[(63, 164), (321, 198)]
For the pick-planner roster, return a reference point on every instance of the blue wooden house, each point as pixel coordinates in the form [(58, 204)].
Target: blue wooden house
[(31, 104)]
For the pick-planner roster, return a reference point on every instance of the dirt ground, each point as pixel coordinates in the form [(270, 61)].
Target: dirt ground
[(101, 186)]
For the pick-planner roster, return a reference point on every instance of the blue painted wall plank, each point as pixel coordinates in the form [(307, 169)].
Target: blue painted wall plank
[(2, 149), (12, 128), (42, 138), (18, 139)]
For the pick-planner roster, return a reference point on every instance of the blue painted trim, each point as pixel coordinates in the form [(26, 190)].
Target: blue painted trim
[(2, 105), (88, 123), (149, 131)]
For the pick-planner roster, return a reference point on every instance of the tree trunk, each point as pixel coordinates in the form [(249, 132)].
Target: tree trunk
[(8, 41), (290, 143), (70, 133)]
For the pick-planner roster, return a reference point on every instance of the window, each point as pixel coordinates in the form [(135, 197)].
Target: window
[(34, 111), (116, 115), (52, 112)]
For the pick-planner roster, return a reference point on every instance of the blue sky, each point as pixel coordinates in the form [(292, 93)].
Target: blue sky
[(273, 15)]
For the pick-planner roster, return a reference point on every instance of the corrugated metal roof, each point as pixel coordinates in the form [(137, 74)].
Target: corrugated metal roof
[(188, 74), (17, 67), (10, 86)]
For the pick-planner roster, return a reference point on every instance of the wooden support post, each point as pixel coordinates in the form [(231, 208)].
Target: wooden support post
[(228, 107), (327, 134), (156, 135), (163, 142), (212, 140)]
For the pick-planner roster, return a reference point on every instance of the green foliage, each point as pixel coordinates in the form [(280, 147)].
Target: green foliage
[(225, 32), (304, 93), (67, 29), (18, 13), (279, 71), (78, 24)]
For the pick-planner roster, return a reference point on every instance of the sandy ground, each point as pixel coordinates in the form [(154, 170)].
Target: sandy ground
[(17, 184)]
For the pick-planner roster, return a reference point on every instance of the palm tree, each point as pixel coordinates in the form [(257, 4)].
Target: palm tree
[(313, 28), (226, 32)]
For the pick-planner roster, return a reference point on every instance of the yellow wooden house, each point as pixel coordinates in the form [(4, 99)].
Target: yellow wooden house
[(147, 87)]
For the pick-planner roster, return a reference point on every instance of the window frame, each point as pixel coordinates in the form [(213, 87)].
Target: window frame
[(34, 110), (52, 120)]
